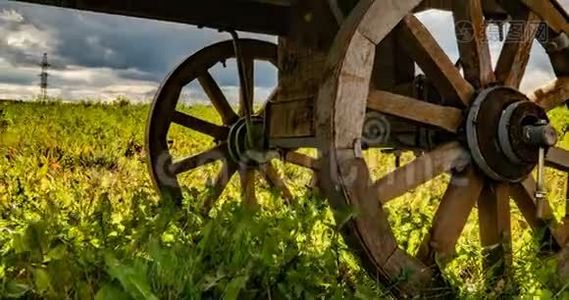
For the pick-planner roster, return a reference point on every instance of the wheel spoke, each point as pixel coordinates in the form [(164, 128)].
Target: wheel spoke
[(223, 178), (302, 160), (218, 132), (217, 98), (432, 59), (473, 43), (445, 117), (558, 158), (192, 162), (553, 94), (551, 13), (495, 232), (419, 171), (523, 194), (275, 181), (451, 216), (248, 85), (247, 178), (515, 54)]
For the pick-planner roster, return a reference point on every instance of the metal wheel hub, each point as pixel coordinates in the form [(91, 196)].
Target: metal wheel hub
[(505, 131), (240, 150)]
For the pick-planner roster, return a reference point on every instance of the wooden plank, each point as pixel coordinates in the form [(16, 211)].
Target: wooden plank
[(557, 158), (551, 12), (473, 43), (445, 117), (553, 94), (495, 231), (304, 50), (221, 14), (291, 119), (432, 59), (218, 132), (419, 171), (515, 54), (458, 201)]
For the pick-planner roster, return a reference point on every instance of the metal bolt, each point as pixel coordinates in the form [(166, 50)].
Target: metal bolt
[(542, 134)]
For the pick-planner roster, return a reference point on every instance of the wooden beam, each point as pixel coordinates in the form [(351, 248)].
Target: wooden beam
[(551, 12), (419, 171), (227, 170), (473, 42), (247, 178), (445, 117), (553, 94), (302, 160), (495, 231), (432, 59), (217, 98), (524, 195), (515, 54), (291, 119), (558, 158), (274, 179), (219, 133), (451, 216), (217, 153), (254, 16)]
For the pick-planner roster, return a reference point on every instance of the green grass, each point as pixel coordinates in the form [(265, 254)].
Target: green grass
[(80, 220)]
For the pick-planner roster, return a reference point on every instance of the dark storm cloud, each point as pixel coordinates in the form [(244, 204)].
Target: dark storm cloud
[(91, 40), (137, 49), (20, 79)]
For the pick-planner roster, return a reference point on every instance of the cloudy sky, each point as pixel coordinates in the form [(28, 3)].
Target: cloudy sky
[(96, 56)]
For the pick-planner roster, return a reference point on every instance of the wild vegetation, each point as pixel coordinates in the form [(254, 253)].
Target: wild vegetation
[(80, 219)]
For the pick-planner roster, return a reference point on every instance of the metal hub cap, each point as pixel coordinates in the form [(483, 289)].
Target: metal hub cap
[(239, 149), (504, 131)]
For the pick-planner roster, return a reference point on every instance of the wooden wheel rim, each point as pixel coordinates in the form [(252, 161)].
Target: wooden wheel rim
[(344, 175)]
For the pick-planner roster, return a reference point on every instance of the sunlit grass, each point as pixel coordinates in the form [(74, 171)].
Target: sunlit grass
[(80, 218)]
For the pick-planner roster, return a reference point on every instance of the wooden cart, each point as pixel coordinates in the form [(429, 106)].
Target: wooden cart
[(348, 83)]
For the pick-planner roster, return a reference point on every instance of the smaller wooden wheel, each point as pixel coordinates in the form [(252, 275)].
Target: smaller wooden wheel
[(226, 142), (485, 135)]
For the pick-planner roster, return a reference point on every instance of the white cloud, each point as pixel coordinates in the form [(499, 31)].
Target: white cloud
[(19, 35)]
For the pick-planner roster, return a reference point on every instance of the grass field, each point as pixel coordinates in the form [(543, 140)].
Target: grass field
[(80, 220)]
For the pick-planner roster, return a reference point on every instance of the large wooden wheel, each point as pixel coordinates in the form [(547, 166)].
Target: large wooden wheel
[(481, 122), (227, 145)]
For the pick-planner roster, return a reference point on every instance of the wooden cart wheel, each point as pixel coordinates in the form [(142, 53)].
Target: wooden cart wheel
[(484, 123), (228, 145)]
